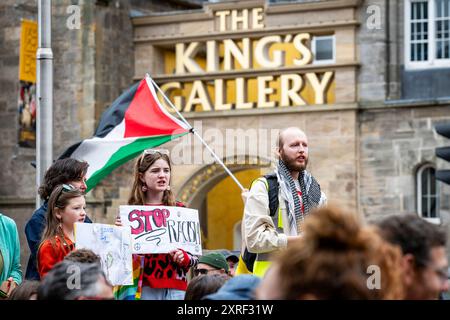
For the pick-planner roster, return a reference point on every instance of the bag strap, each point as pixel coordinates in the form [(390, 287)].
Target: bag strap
[(271, 182), (272, 190)]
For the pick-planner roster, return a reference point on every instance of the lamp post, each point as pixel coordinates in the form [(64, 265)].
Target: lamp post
[(44, 92)]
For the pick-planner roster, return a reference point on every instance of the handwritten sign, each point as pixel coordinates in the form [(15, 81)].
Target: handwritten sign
[(162, 229), (112, 244)]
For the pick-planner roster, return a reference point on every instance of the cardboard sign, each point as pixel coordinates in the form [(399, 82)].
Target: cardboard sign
[(161, 229), (112, 244)]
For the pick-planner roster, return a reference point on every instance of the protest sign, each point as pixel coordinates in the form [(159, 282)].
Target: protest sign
[(112, 244), (161, 229)]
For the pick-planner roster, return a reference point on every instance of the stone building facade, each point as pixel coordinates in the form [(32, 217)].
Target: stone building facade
[(400, 102), (372, 137), (92, 65)]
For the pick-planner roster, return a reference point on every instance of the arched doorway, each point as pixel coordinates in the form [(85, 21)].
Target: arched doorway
[(218, 198)]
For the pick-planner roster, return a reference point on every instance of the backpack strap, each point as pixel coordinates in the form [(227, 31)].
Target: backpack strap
[(272, 189), (271, 182)]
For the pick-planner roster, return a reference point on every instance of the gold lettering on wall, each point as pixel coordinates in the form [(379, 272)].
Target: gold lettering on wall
[(221, 94), (241, 95), (264, 90), (199, 96), (292, 84), (320, 86), (231, 55), (184, 57)]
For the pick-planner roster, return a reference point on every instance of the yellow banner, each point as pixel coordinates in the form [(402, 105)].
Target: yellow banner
[(28, 48)]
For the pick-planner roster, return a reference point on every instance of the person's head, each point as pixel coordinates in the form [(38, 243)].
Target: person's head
[(424, 256), (152, 173), (232, 261), (211, 263), (337, 258), (65, 207), (293, 148), (64, 171), (83, 256), (241, 287), (27, 290), (269, 288), (75, 281), (201, 286)]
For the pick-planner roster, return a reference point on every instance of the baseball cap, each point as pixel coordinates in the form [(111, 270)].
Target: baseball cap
[(215, 260), (234, 258)]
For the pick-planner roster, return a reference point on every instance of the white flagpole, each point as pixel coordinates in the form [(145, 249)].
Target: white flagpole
[(197, 135)]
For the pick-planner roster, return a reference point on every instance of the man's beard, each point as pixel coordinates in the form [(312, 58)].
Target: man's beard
[(292, 164)]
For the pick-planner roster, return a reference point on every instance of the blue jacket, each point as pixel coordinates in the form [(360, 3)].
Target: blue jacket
[(10, 250), (241, 287), (33, 231)]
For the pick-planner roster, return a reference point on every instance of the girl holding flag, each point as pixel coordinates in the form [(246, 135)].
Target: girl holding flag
[(156, 276)]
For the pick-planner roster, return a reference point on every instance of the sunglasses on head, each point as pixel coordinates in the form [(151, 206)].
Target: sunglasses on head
[(155, 151), (68, 187), (65, 187)]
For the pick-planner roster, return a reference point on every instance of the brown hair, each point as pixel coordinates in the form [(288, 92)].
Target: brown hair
[(62, 171), (331, 260), (83, 256), (59, 199), (145, 161), (200, 286), (414, 235)]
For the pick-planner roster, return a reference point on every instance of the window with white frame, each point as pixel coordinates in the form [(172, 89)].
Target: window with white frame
[(442, 23), (427, 33), (427, 192), (322, 48)]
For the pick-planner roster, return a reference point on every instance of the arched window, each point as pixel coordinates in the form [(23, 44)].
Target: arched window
[(427, 193)]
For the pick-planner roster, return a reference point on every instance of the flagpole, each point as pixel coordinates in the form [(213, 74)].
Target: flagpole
[(197, 135)]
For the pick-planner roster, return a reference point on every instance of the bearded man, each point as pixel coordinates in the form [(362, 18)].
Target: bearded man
[(277, 204)]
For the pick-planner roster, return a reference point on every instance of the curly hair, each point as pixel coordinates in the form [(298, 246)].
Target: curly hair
[(83, 256), (332, 260), (60, 172)]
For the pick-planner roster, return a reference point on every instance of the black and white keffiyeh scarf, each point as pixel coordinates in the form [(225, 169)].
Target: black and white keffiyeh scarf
[(311, 195)]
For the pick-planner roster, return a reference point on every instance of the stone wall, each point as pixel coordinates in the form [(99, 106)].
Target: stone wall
[(17, 177), (372, 54), (395, 136), (93, 64), (332, 147), (394, 142)]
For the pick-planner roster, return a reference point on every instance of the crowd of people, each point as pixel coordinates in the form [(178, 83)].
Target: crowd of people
[(295, 244)]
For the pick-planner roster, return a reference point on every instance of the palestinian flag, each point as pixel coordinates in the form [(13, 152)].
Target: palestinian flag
[(134, 122)]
